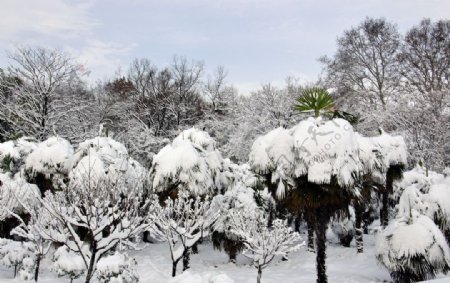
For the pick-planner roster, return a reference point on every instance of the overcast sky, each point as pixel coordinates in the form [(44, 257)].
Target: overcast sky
[(258, 41)]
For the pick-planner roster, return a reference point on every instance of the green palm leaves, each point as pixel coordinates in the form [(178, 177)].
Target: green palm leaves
[(316, 100)]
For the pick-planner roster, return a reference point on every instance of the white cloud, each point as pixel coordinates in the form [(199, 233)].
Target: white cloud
[(59, 18), (100, 57)]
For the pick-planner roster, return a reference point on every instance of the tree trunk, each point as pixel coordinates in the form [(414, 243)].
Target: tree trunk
[(195, 248), (321, 228), (174, 268), (90, 271), (258, 279), (384, 213), (359, 229), (15, 271), (186, 258), (36, 270), (310, 227)]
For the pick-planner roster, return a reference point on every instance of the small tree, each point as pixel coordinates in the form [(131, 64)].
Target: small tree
[(93, 216), (38, 245), (183, 222), (263, 243)]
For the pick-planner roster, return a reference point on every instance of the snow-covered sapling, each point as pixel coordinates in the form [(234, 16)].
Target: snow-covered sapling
[(14, 255), (109, 211), (37, 244), (263, 243), (68, 263), (117, 268), (183, 222)]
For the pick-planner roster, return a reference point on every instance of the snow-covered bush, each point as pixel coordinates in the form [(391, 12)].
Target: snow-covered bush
[(237, 198), (191, 163), (412, 247), (16, 255), (48, 165), (263, 243), (13, 153), (13, 191), (117, 268), (68, 263)]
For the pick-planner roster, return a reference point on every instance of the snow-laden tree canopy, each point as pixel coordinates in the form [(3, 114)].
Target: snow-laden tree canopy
[(190, 163), (393, 149), (52, 156), (323, 150), (104, 158), (326, 149)]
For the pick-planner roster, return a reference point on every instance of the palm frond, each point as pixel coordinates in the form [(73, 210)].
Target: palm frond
[(316, 100)]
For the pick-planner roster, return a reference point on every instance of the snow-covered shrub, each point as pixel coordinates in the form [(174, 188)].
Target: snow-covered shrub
[(13, 153), (52, 156), (27, 269), (14, 255), (263, 243), (68, 263), (191, 163), (117, 268), (48, 165), (344, 227), (238, 197), (13, 191), (412, 247)]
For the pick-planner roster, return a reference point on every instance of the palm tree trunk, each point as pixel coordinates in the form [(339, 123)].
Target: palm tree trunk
[(384, 213), (359, 229), (321, 228), (310, 225)]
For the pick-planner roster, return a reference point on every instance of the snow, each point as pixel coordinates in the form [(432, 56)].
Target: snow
[(343, 266), (17, 149), (393, 149), (12, 189), (101, 158), (205, 277), (51, 156), (68, 263), (190, 161), (407, 237)]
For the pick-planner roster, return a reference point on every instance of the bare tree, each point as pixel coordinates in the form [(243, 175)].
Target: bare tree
[(364, 64), (43, 95), (425, 62)]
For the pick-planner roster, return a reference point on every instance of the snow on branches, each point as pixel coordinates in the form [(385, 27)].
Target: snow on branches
[(183, 222), (263, 242)]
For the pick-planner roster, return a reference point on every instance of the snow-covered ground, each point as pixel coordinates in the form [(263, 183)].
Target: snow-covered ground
[(343, 266)]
